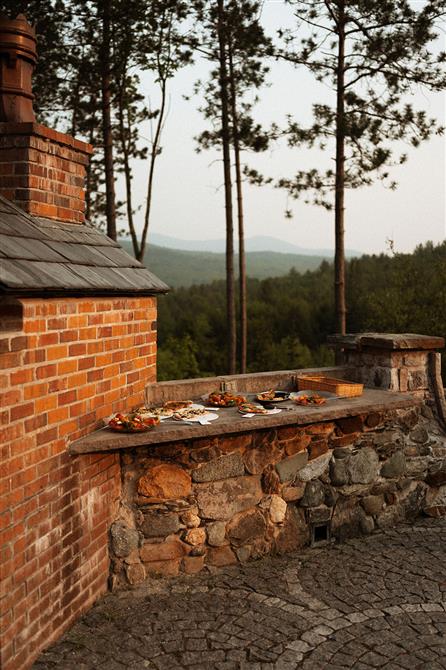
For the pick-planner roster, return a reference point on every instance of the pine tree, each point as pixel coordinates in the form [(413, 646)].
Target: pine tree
[(372, 55), (230, 87)]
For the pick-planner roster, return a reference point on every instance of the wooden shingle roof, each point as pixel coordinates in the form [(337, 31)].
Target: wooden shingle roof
[(41, 256)]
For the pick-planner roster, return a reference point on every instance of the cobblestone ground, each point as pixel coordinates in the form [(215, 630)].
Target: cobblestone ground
[(376, 602)]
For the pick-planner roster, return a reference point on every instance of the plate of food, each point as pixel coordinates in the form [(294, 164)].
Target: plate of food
[(272, 396), (195, 413), (311, 398), (165, 411), (251, 408), (176, 405), (152, 412), (224, 399), (131, 422)]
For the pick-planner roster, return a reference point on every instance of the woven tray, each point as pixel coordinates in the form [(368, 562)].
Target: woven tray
[(338, 386)]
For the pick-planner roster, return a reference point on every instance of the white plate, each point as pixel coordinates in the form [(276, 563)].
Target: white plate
[(169, 416), (249, 415), (202, 418)]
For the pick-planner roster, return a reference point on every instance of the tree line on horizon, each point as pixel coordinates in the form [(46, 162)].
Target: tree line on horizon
[(370, 55)]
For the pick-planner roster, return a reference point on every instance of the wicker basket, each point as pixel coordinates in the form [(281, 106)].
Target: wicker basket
[(338, 386)]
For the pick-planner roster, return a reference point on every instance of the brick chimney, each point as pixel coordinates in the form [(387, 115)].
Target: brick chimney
[(41, 170)]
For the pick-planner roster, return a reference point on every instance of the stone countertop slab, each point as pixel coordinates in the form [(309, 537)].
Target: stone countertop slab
[(231, 422), (392, 341)]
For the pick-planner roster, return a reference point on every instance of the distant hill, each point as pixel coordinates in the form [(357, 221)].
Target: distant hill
[(184, 268), (256, 243)]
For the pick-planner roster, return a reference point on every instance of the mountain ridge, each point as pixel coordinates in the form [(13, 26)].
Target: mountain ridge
[(252, 244), (187, 267)]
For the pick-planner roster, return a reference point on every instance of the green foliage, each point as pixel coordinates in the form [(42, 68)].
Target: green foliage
[(406, 293), (177, 359), (144, 37), (51, 19), (291, 316), (248, 46)]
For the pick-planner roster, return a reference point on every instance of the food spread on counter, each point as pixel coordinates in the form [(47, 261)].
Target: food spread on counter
[(147, 417)]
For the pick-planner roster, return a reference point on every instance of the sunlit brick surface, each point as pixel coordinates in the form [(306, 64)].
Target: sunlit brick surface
[(43, 171), (73, 363)]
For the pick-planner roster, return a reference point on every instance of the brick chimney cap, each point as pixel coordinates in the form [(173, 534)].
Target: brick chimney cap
[(18, 57), (18, 37)]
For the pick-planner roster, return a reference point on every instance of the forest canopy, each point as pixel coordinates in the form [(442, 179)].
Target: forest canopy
[(290, 317)]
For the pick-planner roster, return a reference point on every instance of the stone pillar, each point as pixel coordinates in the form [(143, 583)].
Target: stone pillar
[(394, 362)]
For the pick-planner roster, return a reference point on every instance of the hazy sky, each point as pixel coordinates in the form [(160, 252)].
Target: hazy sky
[(189, 199)]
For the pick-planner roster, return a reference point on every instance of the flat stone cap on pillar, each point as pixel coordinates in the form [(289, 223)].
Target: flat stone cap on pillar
[(393, 341)]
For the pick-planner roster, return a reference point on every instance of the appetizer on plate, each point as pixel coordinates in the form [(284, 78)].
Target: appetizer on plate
[(195, 414), (272, 396), (225, 399), (132, 423), (165, 411), (251, 408), (150, 412), (188, 413), (309, 399), (177, 404)]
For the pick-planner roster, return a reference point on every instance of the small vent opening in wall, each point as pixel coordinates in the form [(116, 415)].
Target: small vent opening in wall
[(320, 533)]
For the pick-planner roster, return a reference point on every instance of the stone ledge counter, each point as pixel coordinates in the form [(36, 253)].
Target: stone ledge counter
[(230, 421), (200, 497)]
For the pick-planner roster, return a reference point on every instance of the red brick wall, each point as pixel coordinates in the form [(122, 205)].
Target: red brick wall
[(43, 171), (74, 362)]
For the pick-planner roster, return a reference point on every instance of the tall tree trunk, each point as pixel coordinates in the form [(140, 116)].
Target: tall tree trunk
[(76, 97), (226, 139), (153, 156), (110, 206), (340, 308), (241, 229), (89, 169), (127, 168)]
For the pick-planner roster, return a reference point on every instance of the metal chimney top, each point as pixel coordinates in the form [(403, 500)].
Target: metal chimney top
[(18, 58)]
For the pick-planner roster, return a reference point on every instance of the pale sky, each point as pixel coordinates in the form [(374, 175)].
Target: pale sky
[(189, 198)]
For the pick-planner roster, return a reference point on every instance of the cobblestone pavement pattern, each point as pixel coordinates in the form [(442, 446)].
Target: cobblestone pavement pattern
[(375, 602)]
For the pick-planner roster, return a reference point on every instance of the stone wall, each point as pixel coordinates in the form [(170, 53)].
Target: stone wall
[(212, 502)]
